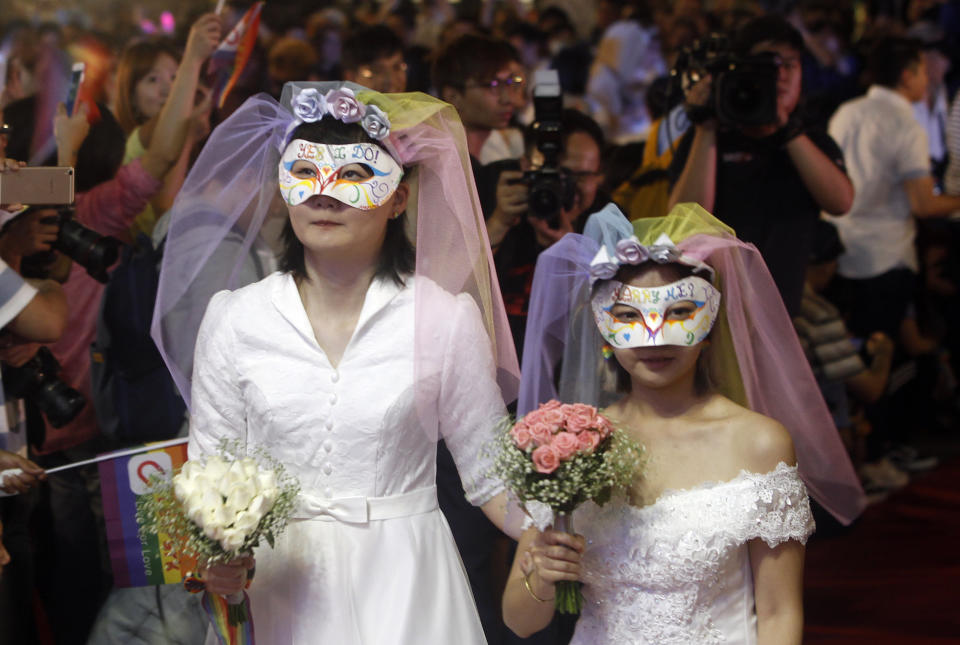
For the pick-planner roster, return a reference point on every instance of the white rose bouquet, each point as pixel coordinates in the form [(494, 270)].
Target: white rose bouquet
[(219, 509)]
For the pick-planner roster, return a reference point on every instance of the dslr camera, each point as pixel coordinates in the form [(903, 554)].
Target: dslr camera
[(36, 380), (744, 88), (94, 252), (551, 188)]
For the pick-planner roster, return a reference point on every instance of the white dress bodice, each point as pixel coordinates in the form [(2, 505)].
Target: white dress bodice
[(368, 542), (678, 571)]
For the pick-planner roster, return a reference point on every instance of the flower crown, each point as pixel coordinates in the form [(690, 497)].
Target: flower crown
[(604, 266), (310, 106)]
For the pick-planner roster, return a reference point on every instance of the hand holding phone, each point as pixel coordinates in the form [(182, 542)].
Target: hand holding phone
[(9, 166), (69, 133), (76, 78), (41, 185)]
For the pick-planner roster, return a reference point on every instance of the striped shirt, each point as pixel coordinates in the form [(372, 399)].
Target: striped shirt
[(825, 339)]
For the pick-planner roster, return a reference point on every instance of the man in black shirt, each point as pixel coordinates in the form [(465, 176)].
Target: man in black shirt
[(769, 183)]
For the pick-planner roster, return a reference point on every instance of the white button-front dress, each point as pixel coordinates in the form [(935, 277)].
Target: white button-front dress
[(370, 558)]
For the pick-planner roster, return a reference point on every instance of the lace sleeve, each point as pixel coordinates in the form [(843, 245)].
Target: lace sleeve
[(780, 509)]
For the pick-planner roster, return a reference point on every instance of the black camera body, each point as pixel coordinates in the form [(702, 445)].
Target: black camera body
[(36, 380), (551, 189), (744, 89), (95, 252)]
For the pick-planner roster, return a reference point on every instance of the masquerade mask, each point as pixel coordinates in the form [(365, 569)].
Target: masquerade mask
[(680, 313), (332, 175)]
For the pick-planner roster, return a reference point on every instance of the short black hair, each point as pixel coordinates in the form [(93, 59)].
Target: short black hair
[(889, 56), (397, 255), (471, 57), (827, 245), (767, 28), (576, 121), (368, 44)]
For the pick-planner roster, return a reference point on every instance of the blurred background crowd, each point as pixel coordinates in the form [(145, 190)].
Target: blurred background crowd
[(826, 132)]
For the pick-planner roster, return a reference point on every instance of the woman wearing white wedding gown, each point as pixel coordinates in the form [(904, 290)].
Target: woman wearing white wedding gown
[(707, 544), (349, 363)]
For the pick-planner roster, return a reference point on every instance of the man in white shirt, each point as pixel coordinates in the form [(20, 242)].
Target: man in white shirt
[(887, 157)]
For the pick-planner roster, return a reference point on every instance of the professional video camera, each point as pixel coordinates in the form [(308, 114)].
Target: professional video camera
[(744, 89), (551, 188), (36, 380), (94, 252)]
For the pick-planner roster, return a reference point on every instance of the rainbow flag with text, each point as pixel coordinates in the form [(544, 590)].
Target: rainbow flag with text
[(138, 562)]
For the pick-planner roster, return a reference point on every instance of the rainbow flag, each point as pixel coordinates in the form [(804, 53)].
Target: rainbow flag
[(236, 49), (138, 562), (227, 631)]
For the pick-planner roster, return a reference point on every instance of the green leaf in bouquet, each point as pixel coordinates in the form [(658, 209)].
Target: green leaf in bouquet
[(269, 536), (603, 496)]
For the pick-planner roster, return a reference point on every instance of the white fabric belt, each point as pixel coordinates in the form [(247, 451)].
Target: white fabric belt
[(360, 509)]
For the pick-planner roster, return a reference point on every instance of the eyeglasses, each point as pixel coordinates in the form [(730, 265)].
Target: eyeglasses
[(369, 71), (789, 62), (511, 84)]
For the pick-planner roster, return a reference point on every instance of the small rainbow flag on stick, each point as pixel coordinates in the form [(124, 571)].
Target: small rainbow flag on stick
[(236, 49), (137, 561)]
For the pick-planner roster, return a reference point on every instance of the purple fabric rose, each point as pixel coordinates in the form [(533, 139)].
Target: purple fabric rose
[(376, 123), (309, 105), (630, 251), (343, 105), (603, 270)]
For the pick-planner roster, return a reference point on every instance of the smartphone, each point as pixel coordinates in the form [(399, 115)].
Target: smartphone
[(40, 185), (76, 78)]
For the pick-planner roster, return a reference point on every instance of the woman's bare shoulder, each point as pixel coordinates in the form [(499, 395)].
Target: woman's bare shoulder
[(760, 441)]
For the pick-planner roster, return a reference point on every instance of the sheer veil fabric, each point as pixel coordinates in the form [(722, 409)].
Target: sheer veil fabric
[(230, 209), (755, 357)]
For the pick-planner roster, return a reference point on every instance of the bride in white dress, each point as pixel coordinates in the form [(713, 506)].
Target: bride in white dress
[(707, 545), (349, 363)]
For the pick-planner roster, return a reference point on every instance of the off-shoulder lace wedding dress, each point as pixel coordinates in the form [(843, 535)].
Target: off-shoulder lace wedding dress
[(678, 571)]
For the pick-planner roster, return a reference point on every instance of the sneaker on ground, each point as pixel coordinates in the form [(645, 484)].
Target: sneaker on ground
[(909, 459), (881, 476)]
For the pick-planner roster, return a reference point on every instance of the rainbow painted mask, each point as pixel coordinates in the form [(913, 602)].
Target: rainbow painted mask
[(330, 178), (680, 313)]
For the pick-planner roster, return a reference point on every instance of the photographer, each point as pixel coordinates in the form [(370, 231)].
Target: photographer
[(768, 182), (517, 232)]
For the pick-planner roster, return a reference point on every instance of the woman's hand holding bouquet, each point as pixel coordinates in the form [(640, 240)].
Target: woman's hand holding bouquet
[(217, 511), (563, 455)]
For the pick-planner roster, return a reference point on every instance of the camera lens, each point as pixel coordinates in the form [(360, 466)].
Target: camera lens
[(747, 95), (59, 402), (544, 200), (36, 380), (95, 252)]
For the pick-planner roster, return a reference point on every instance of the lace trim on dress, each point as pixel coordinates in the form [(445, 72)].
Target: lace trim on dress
[(653, 574), (777, 501)]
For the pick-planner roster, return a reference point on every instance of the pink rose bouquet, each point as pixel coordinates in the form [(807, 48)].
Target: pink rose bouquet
[(563, 455)]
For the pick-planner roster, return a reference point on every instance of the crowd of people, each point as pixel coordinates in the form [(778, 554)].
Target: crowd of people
[(824, 135)]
